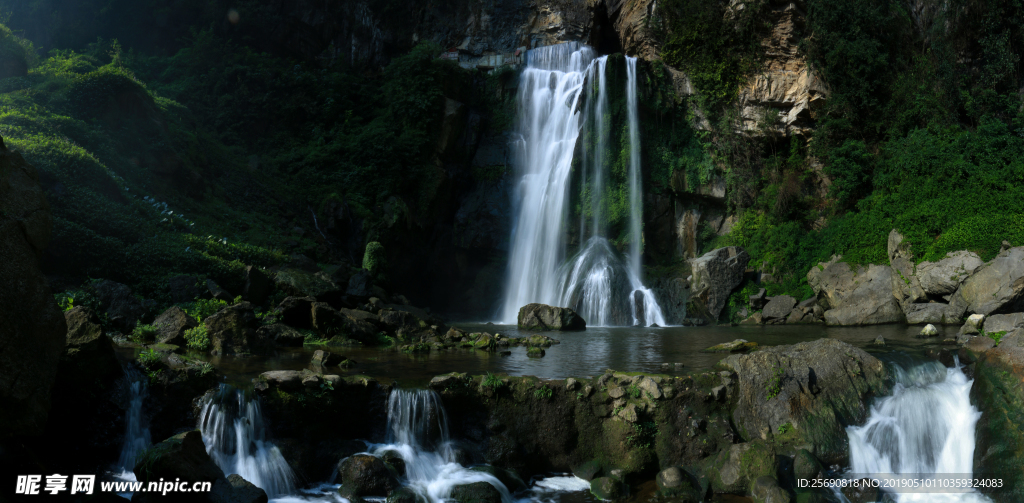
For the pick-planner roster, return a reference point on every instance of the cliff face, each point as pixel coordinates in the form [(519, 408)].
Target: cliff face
[(33, 330)]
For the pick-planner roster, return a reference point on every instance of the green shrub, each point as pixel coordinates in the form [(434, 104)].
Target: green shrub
[(149, 358), (198, 338), (543, 393), (492, 381), (374, 259), (143, 333)]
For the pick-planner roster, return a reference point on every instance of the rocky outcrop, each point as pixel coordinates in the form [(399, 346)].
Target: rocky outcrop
[(917, 287), (855, 297), (545, 317), (996, 287), (233, 330), (778, 308), (715, 275), (171, 326), (365, 475), (33, 331), (1003, 322), (945, 276), (787, 88), (816, 388)]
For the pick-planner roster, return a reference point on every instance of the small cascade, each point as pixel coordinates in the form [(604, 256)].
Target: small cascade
[(235, 437), (597, 282), (136, 430), (925, 430), (418, 431)]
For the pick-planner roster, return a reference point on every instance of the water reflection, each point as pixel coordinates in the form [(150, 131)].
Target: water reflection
[(587, 353)]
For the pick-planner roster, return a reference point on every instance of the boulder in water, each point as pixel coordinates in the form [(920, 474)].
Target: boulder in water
[(235, 489), (477, 492), (855, 297), (366, 475), (545, 317), (736, 346), (507, 477), (675, 483), (535, 352), (715, 275), (607, 488), (929, 330), (814, 388), (282, 335), (778, 308), (323, 358), (403, 495)]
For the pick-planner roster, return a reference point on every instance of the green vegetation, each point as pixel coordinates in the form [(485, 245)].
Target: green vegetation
[(143, 333), (774, 385), (634, 391), (374, 260), (198, 338), (543, 393), (995, 336), (492, 381), (149, 358), (643, 435)]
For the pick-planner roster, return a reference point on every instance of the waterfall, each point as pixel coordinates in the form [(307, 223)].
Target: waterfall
[(235, 438), (925, 430), (596, 281), (418, 431), (136, 432)]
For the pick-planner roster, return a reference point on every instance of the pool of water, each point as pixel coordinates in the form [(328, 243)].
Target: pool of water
[(582, 354)]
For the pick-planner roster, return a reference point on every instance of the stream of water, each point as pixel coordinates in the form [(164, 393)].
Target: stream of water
[(920, 436)]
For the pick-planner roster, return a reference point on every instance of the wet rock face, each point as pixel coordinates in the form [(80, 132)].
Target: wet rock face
[(715, 275), (544, 317), (809, 390), (33, 332), (477, 492), (366, 475)]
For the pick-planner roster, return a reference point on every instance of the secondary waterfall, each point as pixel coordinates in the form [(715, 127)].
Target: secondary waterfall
[(418, 432), (235, 438), (925, 430), (602, 287), (136, 432)]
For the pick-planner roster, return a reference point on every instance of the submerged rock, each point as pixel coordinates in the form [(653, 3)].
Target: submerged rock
[(736, 346), (545, 317)]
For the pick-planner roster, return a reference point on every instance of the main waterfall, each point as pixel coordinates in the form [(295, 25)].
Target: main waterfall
[(597, 282)]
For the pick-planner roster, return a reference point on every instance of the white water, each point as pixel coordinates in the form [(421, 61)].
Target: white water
[(596, 282), (235, 438), (136, 431), (418, 431), (922, 434)]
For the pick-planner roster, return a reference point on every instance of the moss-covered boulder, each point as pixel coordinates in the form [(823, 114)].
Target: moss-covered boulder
[(734, 470), (677, 484), (765, 489), (375, 260), (607, 488), (805, 394), (998, 393)]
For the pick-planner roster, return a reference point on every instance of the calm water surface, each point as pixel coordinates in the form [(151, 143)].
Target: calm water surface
[(583, 354)]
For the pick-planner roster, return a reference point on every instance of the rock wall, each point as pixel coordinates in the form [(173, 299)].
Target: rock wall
[(33, 329)]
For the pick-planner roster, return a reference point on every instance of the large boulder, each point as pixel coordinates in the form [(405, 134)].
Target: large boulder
[(905, 285), (89, 353), (945, 276), (1003, 322), (715, 275), (171, 326), (778, 308), (33, 330), (996, 287), (183, 457), (123, 309), (855, 297), (545, 317), (297, 311), (816, 388), (365, 475), (234, 330), (932, 312), (476, 492)]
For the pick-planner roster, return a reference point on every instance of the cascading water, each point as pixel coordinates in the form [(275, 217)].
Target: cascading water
[(596, 282), (136, 433), (235, 438), (418, 432), (925, 430)]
